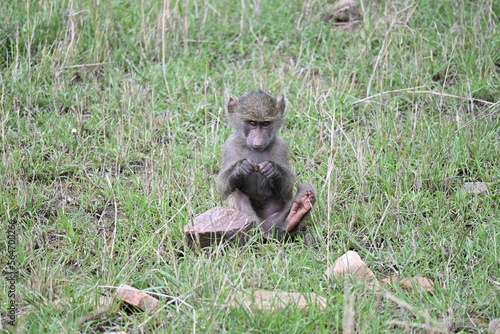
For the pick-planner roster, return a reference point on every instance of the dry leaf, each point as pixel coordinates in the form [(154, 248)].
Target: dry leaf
[(418, 283)]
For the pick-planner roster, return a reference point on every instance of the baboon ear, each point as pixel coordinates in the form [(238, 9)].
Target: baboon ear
[(280, 105), (231, 105)]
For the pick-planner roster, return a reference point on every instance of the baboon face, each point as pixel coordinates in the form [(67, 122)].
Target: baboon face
[(257, 117), (259, 134)]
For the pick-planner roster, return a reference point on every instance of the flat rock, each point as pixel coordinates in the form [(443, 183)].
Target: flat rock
[(217, 225)]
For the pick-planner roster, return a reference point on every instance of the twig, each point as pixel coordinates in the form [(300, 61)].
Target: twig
[(385, 93), (85, 65), (413, 91), (449, 95)]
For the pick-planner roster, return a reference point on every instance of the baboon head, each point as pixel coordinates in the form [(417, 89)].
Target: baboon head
[(256, 116)]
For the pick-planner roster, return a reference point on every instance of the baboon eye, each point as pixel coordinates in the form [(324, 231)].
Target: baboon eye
[(264, 124), (252, 123)]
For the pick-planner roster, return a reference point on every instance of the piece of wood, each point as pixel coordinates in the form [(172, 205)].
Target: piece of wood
[(267, 300), (135, 297), (217, 225)]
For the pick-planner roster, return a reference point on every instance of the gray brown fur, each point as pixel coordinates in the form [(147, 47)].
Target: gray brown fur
[(258, 181), (258, 106)]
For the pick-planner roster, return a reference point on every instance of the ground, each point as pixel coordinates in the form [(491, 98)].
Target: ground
[(112, 120)]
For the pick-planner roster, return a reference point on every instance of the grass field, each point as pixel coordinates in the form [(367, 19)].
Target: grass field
[(112, 123)]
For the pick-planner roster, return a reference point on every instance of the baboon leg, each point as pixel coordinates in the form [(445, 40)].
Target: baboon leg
[(239, 201), (271, 207), (300, 208), (293, 214)]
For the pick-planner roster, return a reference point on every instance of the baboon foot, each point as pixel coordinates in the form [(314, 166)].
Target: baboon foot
[(299, 208)]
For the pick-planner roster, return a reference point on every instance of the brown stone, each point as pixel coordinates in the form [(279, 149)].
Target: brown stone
[(350, 263), (217, 225), (132, 296), (418, 283), (266, 300)]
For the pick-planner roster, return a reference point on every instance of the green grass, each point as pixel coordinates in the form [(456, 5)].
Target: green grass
[(388, 121)]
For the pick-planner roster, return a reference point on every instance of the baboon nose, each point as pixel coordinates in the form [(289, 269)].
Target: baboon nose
[(258, 147)]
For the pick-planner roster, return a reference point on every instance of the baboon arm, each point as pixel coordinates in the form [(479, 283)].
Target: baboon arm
[(225, 184), (284, 183), (231, 178)]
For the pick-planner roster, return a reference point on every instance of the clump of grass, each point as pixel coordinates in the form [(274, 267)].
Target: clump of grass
[(112, 122)]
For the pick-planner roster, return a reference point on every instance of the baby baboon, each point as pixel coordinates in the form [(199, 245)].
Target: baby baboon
[(255, 173)]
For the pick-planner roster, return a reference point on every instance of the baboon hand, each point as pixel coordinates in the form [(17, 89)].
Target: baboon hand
[(244, 167), (267, 169)]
